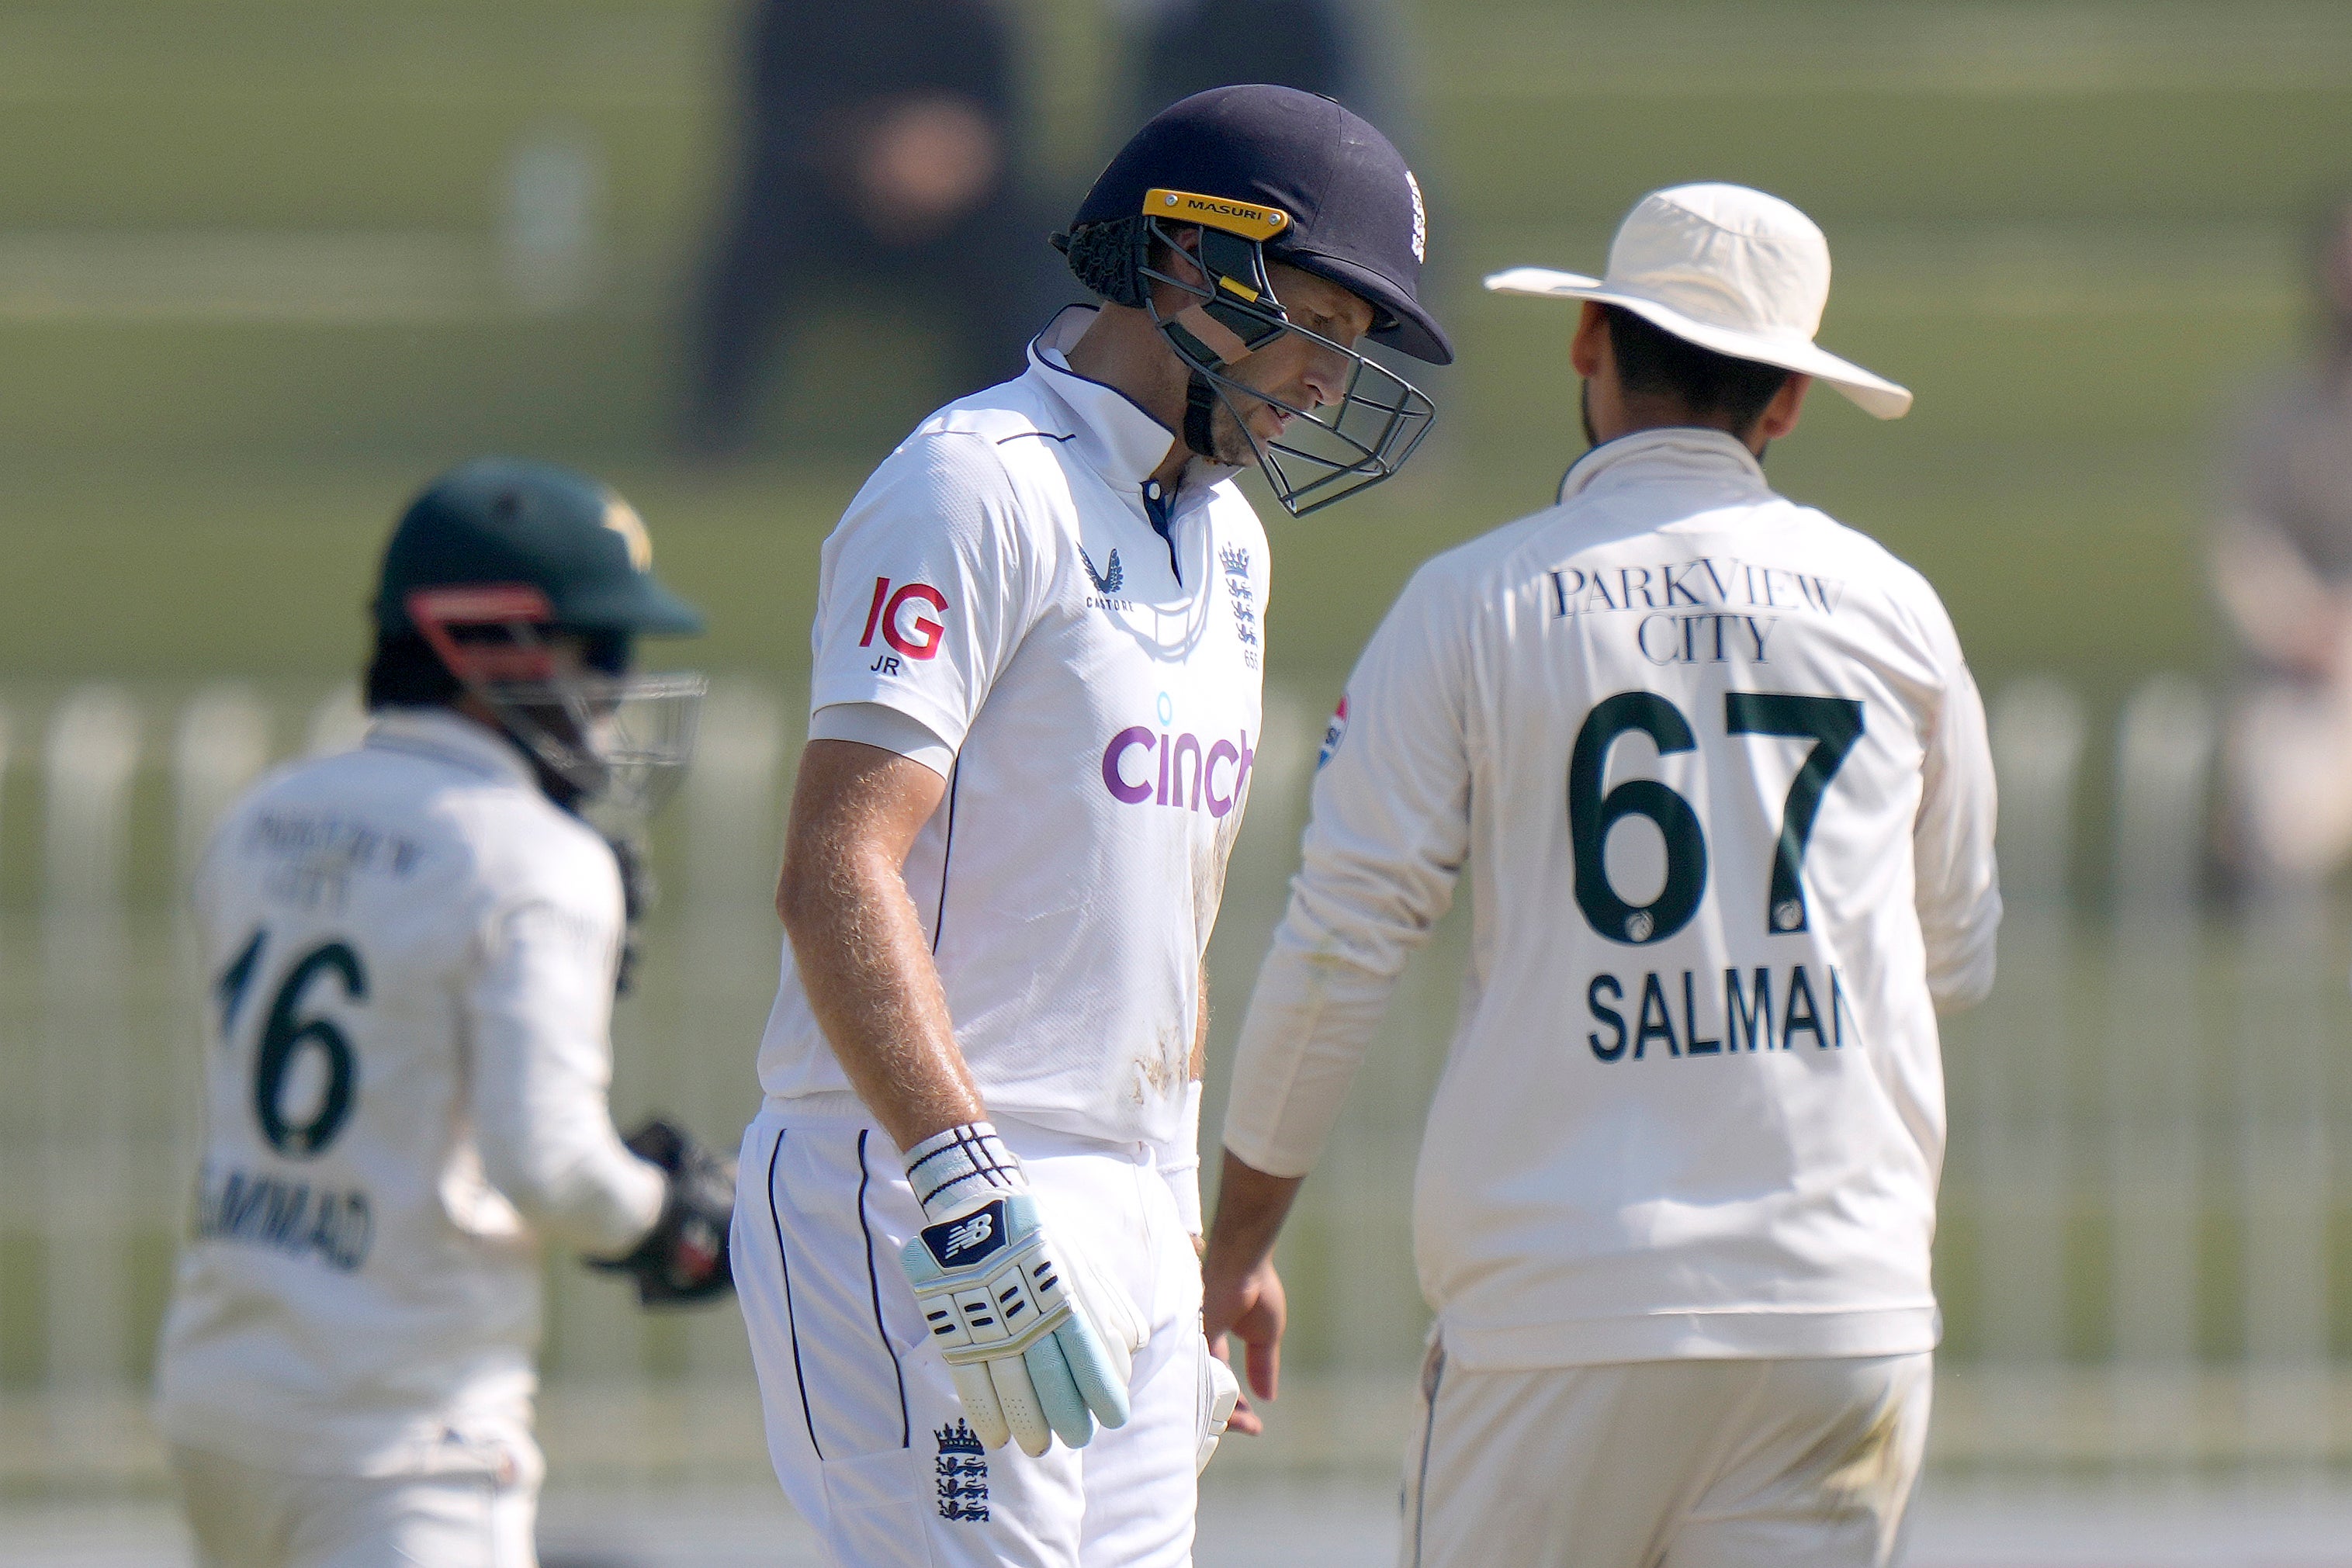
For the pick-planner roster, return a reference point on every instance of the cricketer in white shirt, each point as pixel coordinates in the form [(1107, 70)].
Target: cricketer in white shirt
[(1719, 773), (1012, 602), (412, 954)]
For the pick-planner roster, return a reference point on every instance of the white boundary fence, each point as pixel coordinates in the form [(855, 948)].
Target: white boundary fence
[(2141, 1202)]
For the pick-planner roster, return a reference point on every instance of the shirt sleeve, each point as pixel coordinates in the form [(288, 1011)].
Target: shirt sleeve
[(1384, 846), (871, 724), (540, 1013), (925, 587), (1958, 881)]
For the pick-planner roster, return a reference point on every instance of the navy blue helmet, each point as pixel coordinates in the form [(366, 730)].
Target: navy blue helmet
[(1259, 173)]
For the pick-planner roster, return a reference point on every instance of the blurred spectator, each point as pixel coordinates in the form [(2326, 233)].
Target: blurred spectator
[(2282, 559), (880, 142), (1341, 48), (1184, 47)]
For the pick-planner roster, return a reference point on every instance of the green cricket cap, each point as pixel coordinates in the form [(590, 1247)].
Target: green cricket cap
[(510, 520)]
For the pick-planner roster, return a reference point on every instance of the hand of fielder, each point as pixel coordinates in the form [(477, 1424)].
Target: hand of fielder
[(1253, 1309)]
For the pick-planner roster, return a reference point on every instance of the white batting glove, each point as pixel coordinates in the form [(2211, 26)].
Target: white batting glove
[(1038, 1346), (1219, 1394)]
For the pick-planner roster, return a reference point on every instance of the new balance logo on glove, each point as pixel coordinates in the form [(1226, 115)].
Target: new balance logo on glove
[(966, 1241), (970, 1234), (1034, 1356)]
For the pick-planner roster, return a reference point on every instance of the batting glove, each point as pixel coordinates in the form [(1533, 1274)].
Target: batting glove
[(1039, 1346)]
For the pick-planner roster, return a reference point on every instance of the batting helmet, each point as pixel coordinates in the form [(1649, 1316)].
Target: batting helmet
[(1272, 173), (496, 557)]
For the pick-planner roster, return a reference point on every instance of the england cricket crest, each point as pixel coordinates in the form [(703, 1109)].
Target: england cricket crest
[(960, 1474), (1235, 560)]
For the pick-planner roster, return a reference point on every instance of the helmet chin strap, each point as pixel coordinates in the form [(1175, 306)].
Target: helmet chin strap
[(1200, 408)]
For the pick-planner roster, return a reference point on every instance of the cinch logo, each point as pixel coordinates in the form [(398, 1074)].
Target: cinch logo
[(1175, 770), (916, 636)]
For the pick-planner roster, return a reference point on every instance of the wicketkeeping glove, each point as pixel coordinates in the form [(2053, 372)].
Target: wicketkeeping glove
[(684, 1258), (1039, 1346)]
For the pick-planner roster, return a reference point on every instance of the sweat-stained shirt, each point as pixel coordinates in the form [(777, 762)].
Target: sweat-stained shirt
[(1079, 654)]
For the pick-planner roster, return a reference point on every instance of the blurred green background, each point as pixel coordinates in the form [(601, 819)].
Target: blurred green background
[(249, 296)]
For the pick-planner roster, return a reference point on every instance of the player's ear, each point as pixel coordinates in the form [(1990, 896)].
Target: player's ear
[(1779, 415), (1590, 349), (1176, 253)]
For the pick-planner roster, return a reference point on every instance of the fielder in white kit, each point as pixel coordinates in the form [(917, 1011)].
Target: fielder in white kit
[(1719, 772), (968, 1210), (414, 947)]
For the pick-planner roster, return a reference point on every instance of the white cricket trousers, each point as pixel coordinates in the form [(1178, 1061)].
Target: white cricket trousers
[(864, 1426), (244, 1516), (1666, 1464)]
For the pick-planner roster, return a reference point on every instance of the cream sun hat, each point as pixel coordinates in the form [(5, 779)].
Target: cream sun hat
[(1727, 269)]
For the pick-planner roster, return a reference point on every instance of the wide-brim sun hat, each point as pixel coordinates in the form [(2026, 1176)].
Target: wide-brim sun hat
[(1729, 268)]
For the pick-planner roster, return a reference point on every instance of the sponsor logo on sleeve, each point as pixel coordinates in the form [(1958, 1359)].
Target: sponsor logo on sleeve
[(910, 619), (1333, 733)]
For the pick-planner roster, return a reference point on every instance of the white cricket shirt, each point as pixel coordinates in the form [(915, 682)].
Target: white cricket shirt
[(410, 954), (1000, 582), (1720, 773)]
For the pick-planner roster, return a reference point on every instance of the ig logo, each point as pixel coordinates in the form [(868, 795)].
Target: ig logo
[(911, 632)]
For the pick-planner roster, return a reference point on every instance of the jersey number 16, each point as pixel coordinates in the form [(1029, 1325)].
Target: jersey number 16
[(286, 1036), (1833, 724)]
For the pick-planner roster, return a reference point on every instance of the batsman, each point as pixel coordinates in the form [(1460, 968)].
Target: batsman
[(967, 1214)]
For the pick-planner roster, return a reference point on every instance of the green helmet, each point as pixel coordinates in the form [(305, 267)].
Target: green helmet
[(499, 558), (506, 521)]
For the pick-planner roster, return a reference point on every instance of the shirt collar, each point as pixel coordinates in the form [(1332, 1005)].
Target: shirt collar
[(451, 737), (1119, 440), (1679, 451)]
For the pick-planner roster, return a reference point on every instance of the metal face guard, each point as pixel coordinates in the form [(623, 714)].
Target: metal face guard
[(619, 743), (623, 741), (1325, 453)]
